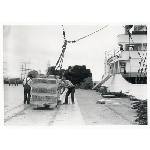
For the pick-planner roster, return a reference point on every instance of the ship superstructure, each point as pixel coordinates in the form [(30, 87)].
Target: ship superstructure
[(127, 69), (132, 61)]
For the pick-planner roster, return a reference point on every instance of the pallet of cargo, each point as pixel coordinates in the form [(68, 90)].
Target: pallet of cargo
[(44, 91)]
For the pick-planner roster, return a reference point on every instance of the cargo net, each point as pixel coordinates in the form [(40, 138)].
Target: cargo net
[(44, 98), (47, 81)]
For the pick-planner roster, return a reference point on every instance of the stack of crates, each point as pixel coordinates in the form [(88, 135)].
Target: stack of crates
[(45, 91)]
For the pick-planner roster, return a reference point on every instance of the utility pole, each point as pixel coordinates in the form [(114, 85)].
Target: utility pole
[(21, 71), (4, 68), (48, 65), (24, 68)]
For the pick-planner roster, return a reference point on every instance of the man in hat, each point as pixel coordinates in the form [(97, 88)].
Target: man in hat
[(71, 89), (26, 84)]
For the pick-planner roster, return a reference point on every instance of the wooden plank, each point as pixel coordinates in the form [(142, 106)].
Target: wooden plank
[(44, 94), (44, 85), (44, 80)]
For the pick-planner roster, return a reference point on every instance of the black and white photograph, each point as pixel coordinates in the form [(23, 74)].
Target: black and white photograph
[(75, 74)]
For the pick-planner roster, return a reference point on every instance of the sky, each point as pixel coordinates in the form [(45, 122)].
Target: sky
[(43, 43)]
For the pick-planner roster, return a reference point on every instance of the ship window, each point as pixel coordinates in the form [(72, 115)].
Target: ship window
[(129, 47), (138, 47), (133, 47)]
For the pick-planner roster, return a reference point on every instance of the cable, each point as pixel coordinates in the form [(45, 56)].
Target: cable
[(87, 35), (60, 59)]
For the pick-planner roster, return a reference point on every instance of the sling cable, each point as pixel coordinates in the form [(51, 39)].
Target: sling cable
[(58, 65)]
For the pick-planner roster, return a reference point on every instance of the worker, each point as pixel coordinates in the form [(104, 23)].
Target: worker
[(71, 89), (27, 88)]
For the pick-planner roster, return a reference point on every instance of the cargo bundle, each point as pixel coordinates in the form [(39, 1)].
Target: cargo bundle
[(44, 98), (44, 91), (41, 80), (141, 108)]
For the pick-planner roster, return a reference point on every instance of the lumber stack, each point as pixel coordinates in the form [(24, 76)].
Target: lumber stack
[(87, 84)]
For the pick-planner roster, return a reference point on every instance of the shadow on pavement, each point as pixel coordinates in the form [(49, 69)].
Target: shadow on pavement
[(43, 108)]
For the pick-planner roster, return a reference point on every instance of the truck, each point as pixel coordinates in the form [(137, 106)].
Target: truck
[(45, 91)]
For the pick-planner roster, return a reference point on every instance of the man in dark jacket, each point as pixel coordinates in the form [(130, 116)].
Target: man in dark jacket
[(71, 89), (26, 84)]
